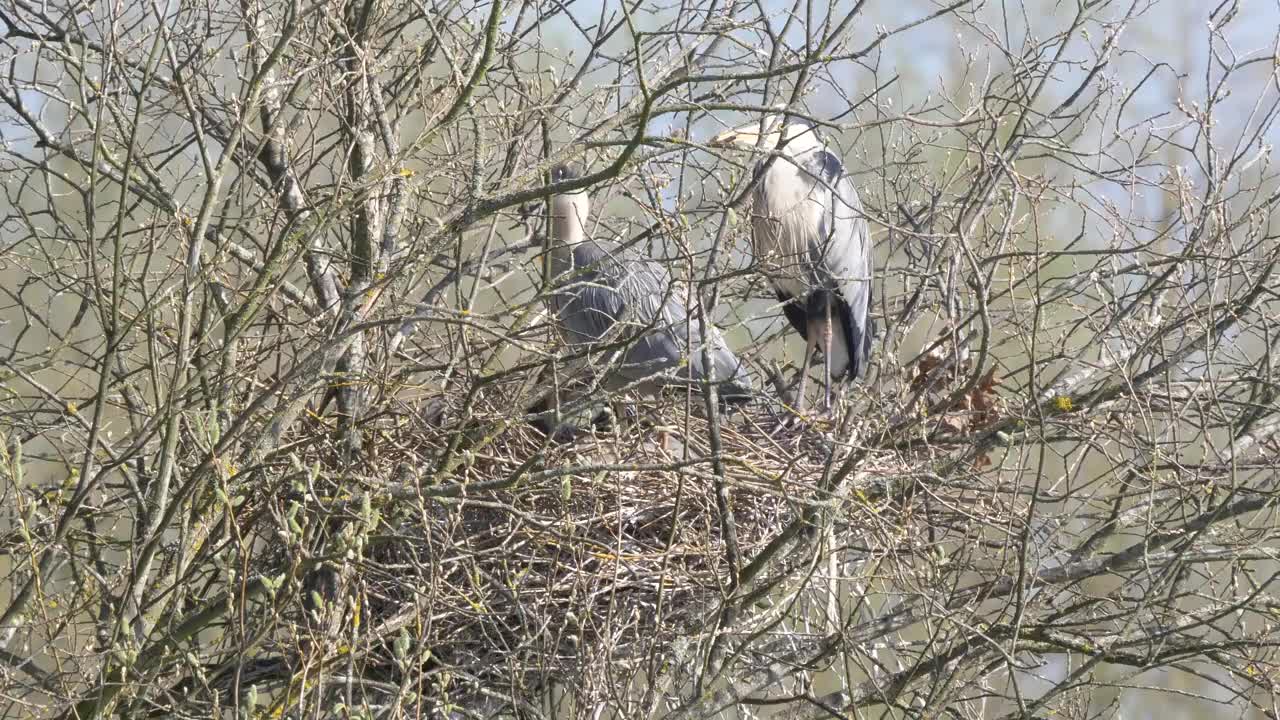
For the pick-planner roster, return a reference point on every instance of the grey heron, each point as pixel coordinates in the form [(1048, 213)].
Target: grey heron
[(607, 295), (810, 238)]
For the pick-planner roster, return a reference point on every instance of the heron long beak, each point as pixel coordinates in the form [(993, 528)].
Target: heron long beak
[(745, 136)]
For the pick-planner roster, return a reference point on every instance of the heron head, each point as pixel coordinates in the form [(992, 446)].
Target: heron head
[(561, 172), (765, 132), (565, 172)]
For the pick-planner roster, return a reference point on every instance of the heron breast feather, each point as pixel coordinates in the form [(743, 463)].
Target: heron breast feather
[(786, 224)]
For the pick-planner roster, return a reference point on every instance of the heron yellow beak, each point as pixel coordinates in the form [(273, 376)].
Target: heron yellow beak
[(744, 136), (749, 135)]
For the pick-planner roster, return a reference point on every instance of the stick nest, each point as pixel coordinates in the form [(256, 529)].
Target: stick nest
[(463, 543)]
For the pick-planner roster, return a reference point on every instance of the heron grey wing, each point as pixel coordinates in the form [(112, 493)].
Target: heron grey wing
[(613, 295), (618, 293), (848, 258), (725, 367), (658, 311), (842, 247), (681, 334), (655, 313), (851, 235), (589, 301)]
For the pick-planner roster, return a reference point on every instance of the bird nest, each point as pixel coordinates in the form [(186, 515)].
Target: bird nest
[(466, 544)]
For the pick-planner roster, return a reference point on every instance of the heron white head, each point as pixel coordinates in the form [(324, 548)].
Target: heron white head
[(765, 133), (569, 210)]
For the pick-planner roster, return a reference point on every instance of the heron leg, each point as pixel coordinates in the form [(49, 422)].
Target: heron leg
[(809, 346), (542, 413), (655, 396)]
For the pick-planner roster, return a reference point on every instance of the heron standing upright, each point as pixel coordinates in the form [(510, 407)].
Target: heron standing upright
[(810, 238), (608, 295)]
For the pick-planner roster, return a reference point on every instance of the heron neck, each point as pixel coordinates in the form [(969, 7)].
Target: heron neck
[(569, 218)]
